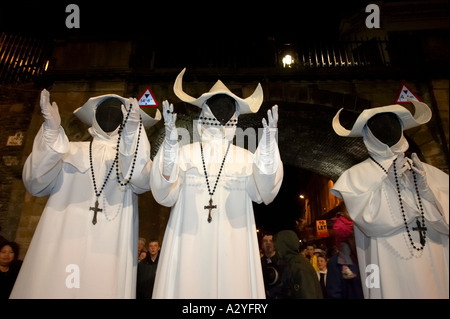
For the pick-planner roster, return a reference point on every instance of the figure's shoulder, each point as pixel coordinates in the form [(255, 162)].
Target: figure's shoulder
[(79, 144), (358, 169), (77, 155), (359, 178), (435, 176)]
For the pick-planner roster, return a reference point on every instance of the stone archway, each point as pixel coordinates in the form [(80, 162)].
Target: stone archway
[(308, 145)]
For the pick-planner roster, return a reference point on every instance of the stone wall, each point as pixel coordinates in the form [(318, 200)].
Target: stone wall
[(17, 107)]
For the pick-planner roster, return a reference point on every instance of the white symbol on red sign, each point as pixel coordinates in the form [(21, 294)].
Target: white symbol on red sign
[(405, 92), (147, 99)]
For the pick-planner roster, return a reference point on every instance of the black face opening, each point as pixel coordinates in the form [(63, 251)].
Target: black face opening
[(386, 127), (222, 106), (109, 114)]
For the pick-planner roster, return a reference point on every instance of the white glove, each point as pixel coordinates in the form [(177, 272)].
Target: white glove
[(170, 156), (130, 131), (400, 168), (134, 117), (270, 130), (421, 178), (52, 120), (169, 122), (272, 115), (267, 145)]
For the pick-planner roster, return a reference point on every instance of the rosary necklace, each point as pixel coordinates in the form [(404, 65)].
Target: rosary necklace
[(211, 206), (135, 153), (96, 209), (214, 122), (97, 193), (420, 226)]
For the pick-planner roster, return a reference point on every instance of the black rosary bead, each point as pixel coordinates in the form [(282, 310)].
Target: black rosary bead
[(211, 193), (420, 227), (114, 163), (98, 193), (215, 122), (135, 153)]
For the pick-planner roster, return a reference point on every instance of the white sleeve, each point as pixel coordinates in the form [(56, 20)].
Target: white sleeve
[(165, 191), (45, 161), (267, 170)]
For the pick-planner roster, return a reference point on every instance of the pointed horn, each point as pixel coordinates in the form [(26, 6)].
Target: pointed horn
[(255, 100), (178, 88), (422, 113), (148, 121), (338, 128)]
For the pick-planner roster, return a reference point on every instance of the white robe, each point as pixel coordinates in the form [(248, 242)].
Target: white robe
[(383, 246), (219, 259), (69, 257)]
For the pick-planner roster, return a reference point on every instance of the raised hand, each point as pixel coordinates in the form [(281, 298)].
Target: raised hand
[(169, 121), (272, 116), (50, 112), (397, 169), (135, 114), (421, 176)]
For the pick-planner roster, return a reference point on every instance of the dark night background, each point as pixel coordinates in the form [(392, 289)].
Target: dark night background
[(183, 19)]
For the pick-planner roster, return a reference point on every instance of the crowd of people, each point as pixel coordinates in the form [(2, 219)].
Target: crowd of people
[(300, 271), (292, 270)]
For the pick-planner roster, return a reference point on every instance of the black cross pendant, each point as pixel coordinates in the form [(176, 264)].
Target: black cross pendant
[(210, 207), (421, 229), (95, 209)]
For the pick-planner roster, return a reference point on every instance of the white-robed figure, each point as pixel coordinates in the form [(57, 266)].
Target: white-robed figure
[(210, 246), (85, 244), (399, 206)]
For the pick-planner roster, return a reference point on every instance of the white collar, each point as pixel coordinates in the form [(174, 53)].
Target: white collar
[(381, 151)]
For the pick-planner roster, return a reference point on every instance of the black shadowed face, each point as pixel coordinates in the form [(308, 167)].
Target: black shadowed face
[(386, 127), (222, 106), (109, 114)]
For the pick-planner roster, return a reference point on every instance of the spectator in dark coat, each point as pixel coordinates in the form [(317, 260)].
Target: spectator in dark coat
[(299, 277), (9, 267), (146, 271)]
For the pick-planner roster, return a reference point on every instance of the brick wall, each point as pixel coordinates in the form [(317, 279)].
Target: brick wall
[(17, 106)]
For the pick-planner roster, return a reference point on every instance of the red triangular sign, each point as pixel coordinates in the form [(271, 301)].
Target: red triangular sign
[(147, 99), (405, 92)]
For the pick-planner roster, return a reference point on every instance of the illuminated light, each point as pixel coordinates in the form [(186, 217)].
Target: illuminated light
[(46, 65), (287, 61), (302, 196)]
